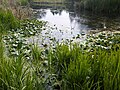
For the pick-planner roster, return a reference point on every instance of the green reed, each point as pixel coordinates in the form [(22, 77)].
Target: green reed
[(74, 68), (78, 70), (7, 20)]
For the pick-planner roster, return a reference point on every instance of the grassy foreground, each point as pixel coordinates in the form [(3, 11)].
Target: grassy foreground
[(64, 68)]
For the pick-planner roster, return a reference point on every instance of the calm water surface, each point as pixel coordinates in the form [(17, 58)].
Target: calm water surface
[(69, 23)]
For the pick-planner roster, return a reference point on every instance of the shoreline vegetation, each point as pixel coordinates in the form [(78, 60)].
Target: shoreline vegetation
[(20, 8), (93, 6), (94, 65)]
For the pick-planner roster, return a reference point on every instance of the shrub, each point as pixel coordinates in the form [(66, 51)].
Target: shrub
[(7, 20)]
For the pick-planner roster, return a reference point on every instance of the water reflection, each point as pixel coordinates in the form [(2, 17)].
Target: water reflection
[(75, 19), (63, 18), (69, 23), (39, 13), (62, 25)]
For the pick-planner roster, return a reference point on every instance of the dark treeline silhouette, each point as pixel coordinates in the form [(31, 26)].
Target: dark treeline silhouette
[(110, 7), (98, 6)]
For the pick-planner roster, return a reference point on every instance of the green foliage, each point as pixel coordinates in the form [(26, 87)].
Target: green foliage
[(23, 2), (15, 41), (105, 40), (7, 20), (1, 45), (61, 56), (101, 6), (79, 70), (14, 74), (78, 73), (36, 54), (66, 67)]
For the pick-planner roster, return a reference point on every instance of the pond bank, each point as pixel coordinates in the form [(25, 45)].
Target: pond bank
[(92, 65)]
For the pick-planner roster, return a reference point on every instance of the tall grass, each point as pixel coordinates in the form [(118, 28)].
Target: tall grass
[(101, 6), (78, 70), (75, 70), (1, 43), (18, 73), (23, 2), (61, 57), (19, 8), (7, 20), (14, 2), (14, 74), (98, 73)]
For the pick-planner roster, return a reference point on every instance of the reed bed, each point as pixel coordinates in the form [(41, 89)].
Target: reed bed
[(78, 70), (101, 6), (73, 69)]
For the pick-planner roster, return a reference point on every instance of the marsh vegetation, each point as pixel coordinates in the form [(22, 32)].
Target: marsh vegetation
[(82, 61)]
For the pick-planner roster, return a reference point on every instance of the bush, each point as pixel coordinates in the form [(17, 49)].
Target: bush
[(7, 20)]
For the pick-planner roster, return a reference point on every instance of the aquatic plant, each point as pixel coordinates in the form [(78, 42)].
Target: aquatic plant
[(105, 40), (63, 67), (16, 39)]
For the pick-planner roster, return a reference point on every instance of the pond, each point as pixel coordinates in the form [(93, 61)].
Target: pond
[(67, 22)]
